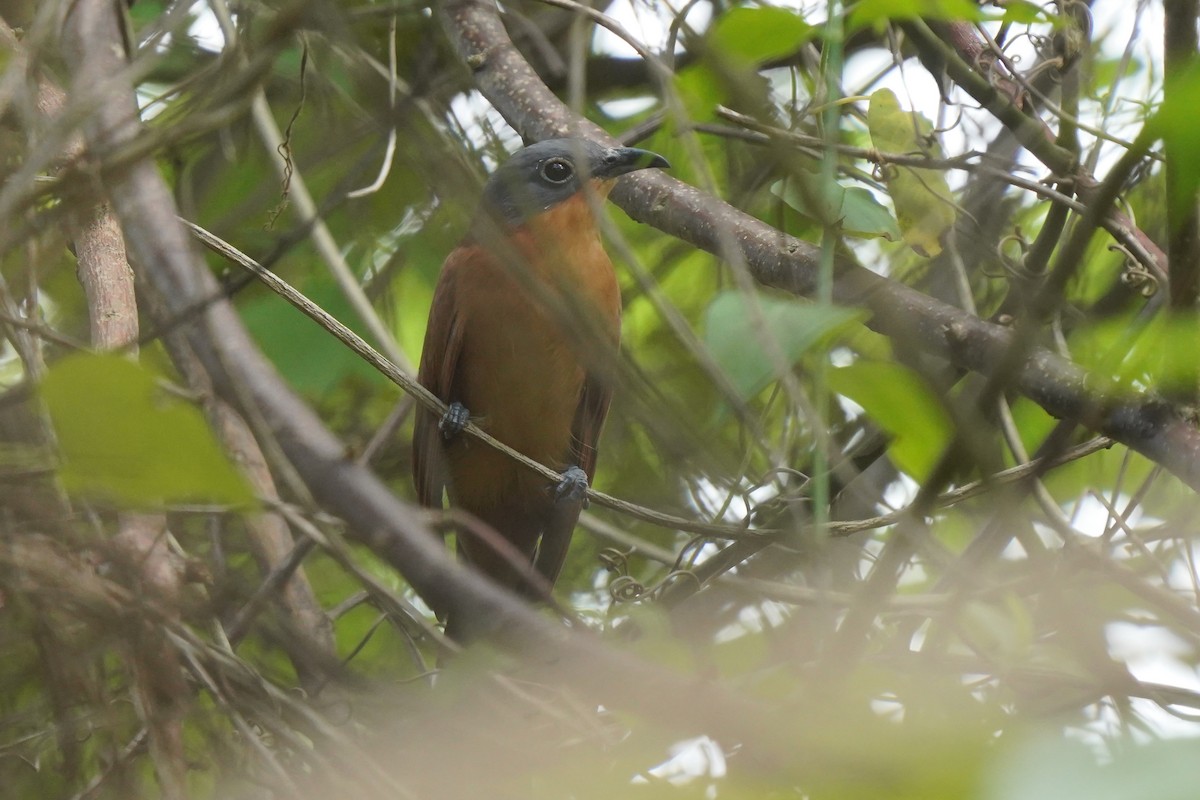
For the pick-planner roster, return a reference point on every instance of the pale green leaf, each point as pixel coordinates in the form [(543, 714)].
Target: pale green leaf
[(759, 33), (753, 349), (855, 209), (897, 400), (877, 13), (123, 438), (922, 199)]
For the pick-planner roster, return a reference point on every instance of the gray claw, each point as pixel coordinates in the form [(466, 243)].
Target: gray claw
[(454, 420), (573, 487)]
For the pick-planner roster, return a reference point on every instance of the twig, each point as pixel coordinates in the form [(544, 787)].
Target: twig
[(308, 213)]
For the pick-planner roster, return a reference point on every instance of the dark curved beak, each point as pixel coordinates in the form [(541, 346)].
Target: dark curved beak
[(618, 161)]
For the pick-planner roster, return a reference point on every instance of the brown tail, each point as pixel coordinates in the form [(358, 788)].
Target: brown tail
[(503, 548)]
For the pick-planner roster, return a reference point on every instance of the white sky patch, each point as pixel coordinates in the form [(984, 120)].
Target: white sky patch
[(1048, 534), (418, 602), (917, 642), (1131, 643), (711, 499), (1091, 517), (889, 708), (1181, 576), (480, 122), (649, 23), (843, 357), (627, 106), (697, 556), (754, 619), (148, 95), (914, 576), (1153, 654), (851, 409), (900, 492), (691, 760), (205, 30)]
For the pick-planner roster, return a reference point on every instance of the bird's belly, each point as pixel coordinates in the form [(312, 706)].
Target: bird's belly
[(527, 394), (521, 383)]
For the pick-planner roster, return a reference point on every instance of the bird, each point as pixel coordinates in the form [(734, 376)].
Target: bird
[(525, 318)]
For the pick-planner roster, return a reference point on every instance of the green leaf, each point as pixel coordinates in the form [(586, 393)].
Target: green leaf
[(125, 439), (146, 12), (877, 13), (863, 215), (1104, 71), (902, 404), (757, 34), (750, 349), (855, 208), (813, 196), (922, 197), (312, 360), (1022, 12), (1181, 135), (1157, 354), (699, 89)]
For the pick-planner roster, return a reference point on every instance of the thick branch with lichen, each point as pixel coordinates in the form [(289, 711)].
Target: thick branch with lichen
[(1143, 422)]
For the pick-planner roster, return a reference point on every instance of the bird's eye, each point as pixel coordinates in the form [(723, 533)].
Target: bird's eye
[(558, 170)]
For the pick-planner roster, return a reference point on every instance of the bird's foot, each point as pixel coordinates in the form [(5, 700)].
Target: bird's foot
[(573, 487), (454, 420)]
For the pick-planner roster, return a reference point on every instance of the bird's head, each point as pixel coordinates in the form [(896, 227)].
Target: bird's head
[(538, 177)]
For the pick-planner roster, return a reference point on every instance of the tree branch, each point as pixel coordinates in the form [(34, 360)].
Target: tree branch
[(140, 544), (108, 283), (1032, 132), (164, 258), (1145, 423)]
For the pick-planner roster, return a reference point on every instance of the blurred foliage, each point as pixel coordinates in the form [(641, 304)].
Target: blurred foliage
[(784, 328), (1037, 637), (112, 422), (921, 196)]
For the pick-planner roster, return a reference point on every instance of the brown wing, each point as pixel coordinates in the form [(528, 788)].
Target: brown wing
[(589, 420), (439, 366)]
